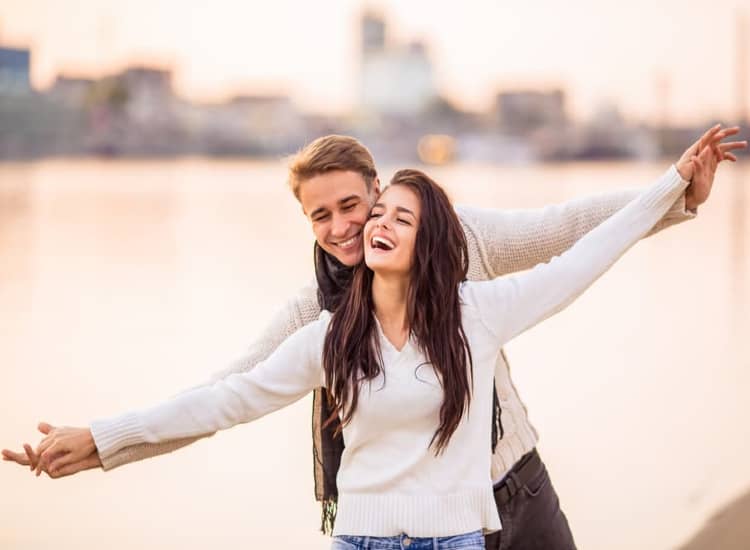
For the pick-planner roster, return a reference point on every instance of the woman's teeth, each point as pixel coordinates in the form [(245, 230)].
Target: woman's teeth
[(382, 243)]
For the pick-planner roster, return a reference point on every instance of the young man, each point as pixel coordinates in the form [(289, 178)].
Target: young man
[(335, 180)]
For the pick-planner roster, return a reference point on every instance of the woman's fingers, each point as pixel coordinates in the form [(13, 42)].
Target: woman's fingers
[(71, 454), (708, 136), (730, 156), (45, 428), (56, 447), (44, 444), (732, 145)]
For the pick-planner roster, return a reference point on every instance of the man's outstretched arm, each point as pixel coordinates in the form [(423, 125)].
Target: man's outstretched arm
[(515, 240)]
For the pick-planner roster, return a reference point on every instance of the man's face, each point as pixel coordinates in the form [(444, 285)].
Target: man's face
[(337, 204)]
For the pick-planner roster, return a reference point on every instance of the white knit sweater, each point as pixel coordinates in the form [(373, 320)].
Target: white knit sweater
[(390, 481), (500, 242)]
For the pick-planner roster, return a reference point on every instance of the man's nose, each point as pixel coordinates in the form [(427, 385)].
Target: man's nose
[(339, 226)]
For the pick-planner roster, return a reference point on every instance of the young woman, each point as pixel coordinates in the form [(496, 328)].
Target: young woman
[(409, 358)]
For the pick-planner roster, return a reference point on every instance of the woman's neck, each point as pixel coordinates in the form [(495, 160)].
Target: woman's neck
[(389, 296)]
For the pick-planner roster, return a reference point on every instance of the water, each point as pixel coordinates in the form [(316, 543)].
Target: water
[(123, 282)]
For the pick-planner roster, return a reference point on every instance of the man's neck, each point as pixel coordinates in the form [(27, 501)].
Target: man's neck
[(389, 295)]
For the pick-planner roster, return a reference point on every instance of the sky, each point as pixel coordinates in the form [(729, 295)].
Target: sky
[(651, 58)]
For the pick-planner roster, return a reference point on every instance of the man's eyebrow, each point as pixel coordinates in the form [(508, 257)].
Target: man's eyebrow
[(323, 209), (349, 198), (317, 211)]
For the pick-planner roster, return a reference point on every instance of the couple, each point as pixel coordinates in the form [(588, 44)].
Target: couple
[(438, 449)]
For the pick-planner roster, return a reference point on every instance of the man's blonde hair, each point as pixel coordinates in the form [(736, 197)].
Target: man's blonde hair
[(329, 153)]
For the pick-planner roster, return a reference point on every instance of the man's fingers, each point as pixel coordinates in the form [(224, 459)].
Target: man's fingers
[(61, 461), (91, 461), (68, 469), (18, 458), (32, 456)]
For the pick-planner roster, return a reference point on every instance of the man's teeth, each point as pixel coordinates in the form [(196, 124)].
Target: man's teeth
[(348, 243)]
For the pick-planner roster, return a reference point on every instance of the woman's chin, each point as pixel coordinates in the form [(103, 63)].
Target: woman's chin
[(385, 267)]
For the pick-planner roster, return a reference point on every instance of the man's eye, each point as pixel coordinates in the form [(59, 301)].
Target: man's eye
[(348, 207), (320, 218)]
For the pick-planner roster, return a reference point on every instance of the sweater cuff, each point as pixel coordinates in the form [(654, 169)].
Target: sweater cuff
[(112, 434), (664, 189)]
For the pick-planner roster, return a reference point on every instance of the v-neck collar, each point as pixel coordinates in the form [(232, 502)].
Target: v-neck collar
[(388, 344)]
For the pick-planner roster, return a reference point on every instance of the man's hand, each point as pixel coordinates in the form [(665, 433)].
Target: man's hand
[(709, 151), (63, 452)]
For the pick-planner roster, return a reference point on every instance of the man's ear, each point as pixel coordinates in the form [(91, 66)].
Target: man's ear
[(376, 186)]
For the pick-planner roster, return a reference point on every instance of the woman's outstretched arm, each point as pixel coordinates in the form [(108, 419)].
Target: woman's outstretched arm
[(291, 372), (508, 241), (513, 304)]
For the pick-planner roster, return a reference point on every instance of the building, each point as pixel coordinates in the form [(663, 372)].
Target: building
[(15, 69), (521, 112), (71, 91), (149, 93), (373, 34), (395, 79)]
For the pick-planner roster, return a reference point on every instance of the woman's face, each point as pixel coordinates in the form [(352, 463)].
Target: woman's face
[(391, 231)]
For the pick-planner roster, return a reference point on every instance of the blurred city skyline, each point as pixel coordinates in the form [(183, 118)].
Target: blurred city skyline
[(658, 62)]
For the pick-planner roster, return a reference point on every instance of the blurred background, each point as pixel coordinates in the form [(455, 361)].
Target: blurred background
[(146, 235)]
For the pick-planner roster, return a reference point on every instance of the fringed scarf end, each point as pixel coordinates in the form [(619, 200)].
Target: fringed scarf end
[(328, 515), (497, 422)]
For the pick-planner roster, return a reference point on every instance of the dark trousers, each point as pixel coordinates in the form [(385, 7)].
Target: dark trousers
[(529, 510)]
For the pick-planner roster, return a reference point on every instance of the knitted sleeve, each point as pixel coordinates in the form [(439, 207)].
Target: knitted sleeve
[(291, 372), (298, 312), (515, 240), (512, 304)]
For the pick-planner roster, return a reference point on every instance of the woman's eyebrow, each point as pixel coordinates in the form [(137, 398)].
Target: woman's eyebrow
[(405, 210), (398, 209)]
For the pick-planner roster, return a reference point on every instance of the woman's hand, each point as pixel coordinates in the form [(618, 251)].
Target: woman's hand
[(63, 446), (64, 451), (709, 151)]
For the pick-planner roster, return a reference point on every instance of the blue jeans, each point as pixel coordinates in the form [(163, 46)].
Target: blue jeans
[(467, 541)]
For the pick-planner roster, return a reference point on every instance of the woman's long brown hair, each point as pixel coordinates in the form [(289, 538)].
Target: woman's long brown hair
[(351, 352)]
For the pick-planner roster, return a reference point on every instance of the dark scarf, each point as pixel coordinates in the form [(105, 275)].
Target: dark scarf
[(333, 279)]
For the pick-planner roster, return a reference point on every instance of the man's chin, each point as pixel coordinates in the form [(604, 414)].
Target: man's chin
[(349, 259)]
